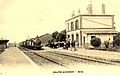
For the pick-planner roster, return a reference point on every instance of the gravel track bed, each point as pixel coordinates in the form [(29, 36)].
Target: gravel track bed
[(41, 61), (90, 58), (57, 57), (79, 59), (47, 58), (23, 49), (72, 58), (51, 58)]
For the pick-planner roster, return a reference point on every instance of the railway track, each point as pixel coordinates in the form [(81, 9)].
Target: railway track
[(90, 58), (23, 49), (79, 59), (62, 59), (67, 59), (53, 60), (43, 60)]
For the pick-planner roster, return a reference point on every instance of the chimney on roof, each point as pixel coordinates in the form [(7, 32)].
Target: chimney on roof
[(103, 8), (89, 8), (73, 13), (79, 11)]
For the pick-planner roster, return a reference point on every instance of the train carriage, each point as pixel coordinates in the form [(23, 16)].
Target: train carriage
[(32, 44)]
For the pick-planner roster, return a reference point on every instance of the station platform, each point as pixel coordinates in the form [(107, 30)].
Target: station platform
[(14, 57), (15, 63)]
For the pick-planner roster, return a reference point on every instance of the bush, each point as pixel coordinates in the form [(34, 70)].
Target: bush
[(96, 42), (117, 40), (106, 43), (115, 49)]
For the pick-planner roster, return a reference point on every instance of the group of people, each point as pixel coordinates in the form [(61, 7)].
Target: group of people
[(72, 45), (68, 44)]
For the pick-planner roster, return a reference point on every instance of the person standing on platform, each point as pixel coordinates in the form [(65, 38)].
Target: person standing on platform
[(76, 45), (70, 45), (73, 45)]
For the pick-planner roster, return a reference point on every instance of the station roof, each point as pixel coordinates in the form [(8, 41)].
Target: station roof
[(3, 41)]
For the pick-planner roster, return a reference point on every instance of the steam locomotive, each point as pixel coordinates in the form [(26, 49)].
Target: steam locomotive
[(32, 44)]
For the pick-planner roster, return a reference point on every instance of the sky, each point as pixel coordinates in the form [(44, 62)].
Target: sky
[(22, 19)]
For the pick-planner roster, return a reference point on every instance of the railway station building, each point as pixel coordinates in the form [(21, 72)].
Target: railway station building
[(83, 27)]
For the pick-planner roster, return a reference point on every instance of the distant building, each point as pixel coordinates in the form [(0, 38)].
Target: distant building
[(83, 27), (45, 38)]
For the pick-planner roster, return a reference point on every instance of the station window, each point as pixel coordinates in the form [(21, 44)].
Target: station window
[(92, 37), (68, 26), (77, 38), (72, 26), (68, 36), (114, 37), (76, 24), (72, 37)]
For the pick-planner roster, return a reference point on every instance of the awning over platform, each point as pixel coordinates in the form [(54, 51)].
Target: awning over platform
[(3, 41)]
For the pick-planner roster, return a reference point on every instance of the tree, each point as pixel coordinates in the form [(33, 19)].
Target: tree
[(106, 43), (59, 36), (54, 34), (96, 42), (62, 35)]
